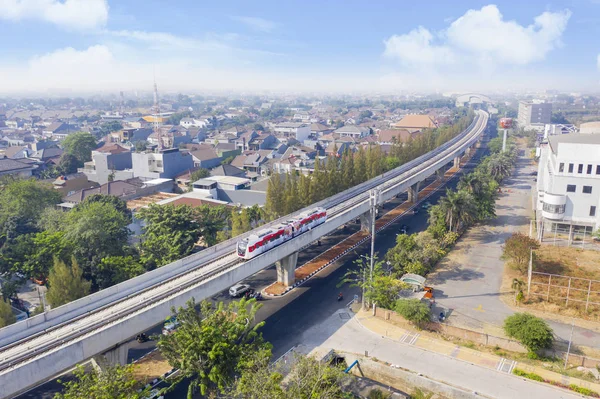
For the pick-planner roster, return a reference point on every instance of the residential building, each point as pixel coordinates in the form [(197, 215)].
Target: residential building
[(17, 168), (295, 130), (302, 116), (58, 130), (415, 122), (163, 164), (568, 184), (227, 150), (318, 129), (263, 142), (244, 139), (124, 189), (227, 170), (110, 162), (204, 156), (552, 129), (533, 114), (352, 131)]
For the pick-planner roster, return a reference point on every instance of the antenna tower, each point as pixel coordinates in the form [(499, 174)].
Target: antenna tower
[(121, 105), (156, 117)]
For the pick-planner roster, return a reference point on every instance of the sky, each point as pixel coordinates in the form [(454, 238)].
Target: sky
[(87, 46)]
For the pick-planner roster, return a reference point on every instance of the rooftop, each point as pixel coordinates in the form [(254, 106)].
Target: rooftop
[(574, 138)]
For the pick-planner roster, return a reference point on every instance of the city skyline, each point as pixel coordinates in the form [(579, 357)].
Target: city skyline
[(102, 45)]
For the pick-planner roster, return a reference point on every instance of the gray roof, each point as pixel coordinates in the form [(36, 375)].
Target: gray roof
[(243, 197), (352, 129), (227, 170), (9, 165), (573, 138)]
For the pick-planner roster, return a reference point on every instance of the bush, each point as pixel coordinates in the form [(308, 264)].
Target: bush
[(414, 311), (531, 376), (583, 391), (533, 332), (378, 394)]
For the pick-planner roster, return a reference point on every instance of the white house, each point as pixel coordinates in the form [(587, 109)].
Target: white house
[(568, 185), (296, 130)]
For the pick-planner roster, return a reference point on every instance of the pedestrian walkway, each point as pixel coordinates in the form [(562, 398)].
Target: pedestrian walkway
[(415, 338), (326, 258)]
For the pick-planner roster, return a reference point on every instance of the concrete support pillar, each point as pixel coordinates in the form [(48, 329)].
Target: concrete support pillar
[(286, 269), (439, 174), (413, 192), (468, 151), (116, 356), (457, 161), (365, 222)]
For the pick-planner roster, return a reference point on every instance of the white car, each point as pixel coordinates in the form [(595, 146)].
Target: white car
[(238, 290)]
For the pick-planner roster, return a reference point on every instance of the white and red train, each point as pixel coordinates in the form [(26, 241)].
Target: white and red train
[(266, 239)]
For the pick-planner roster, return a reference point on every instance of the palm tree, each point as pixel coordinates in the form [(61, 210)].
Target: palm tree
[(472, 183), (499, 166), (517, 285), (460, 209)]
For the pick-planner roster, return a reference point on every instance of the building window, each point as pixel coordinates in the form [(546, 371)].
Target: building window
[(592, 211), (561, 167), (553, 208), (571, 188), (587, 189), (580, 168), (598, 169), (570, 168), (589, 169)]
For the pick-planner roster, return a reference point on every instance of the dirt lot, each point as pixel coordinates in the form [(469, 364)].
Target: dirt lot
[(150, 367), (583, 266)]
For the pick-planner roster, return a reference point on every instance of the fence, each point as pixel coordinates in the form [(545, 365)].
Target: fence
[(565, 289)]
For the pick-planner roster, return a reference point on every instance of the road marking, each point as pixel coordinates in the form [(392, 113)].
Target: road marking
[(506, 365), (410, 338), (480, 308)]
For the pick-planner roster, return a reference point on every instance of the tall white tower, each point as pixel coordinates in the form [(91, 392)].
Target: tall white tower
[(156, 118)]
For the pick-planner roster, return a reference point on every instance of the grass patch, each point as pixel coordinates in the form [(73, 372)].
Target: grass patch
[(572, 387)]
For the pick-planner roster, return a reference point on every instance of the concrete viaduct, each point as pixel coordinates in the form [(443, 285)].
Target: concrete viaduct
[(45, 345)]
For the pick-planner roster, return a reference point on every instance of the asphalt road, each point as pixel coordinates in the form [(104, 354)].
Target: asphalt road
[(306, 306)]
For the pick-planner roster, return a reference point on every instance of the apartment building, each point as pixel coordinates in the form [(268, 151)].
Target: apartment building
[(534, 114), (568, 185)]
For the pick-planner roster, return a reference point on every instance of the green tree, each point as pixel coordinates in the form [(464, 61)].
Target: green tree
[(382, 288), (141, 145), (96, 230), (169, 234), (517, 250), (44, 248), (274, 202), (199, 174), (414, 311), (212, 219), (533, 332), (116, 269), (68, 164), (66, 283), (21, 204), (518, 285), (117, 382), (7, 317), (459, 208), (365, 114), (258, 127), (499, 166), (113, 201), (213, 346), (80, 145)]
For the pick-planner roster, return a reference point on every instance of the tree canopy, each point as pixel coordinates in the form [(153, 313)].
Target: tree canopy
[(533, 332), (80, 145), (117, 382), (7, 316), (214, 345), (66, 283)]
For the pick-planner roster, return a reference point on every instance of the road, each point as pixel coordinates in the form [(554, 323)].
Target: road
[(307, 306), (469, 279)]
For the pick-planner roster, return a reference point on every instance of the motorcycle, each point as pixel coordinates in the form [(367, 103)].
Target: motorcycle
[(141, 338), (340, 297)]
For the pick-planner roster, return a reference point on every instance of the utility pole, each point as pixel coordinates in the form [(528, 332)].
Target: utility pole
[(570, 340), (374, 195)]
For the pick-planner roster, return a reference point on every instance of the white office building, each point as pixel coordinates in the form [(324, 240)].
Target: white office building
[(568, 186), (533, 115), (296, 130)]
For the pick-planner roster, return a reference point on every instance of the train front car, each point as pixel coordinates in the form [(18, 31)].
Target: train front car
[(242, 249)]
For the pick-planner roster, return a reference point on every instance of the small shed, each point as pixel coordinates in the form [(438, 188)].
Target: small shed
[(418, 282)]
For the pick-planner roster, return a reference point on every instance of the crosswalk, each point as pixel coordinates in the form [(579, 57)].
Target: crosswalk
[(506, 365), (410, 338)]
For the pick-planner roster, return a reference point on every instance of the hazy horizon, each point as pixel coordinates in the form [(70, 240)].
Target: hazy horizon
[(103, 46)]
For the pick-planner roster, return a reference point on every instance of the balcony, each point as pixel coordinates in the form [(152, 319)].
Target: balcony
[(553, 206)]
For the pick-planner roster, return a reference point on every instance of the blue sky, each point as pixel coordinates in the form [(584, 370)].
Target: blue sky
[(327, 45)]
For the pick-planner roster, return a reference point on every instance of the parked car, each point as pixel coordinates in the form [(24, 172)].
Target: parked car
[(403, 229), (238, 290), (426, 205), (170, 325)]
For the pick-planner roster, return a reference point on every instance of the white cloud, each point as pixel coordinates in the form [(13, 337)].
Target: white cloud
[(74, 14), (416, 48), (481, 37), (259, 24), (485, 34)]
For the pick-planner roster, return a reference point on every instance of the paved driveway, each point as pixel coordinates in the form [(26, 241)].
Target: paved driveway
[(469, 279)]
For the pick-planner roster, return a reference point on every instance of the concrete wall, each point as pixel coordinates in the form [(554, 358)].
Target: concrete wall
[(401, 379), (448, 330)]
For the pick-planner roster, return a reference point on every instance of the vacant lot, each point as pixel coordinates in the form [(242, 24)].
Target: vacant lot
[(568, 283)]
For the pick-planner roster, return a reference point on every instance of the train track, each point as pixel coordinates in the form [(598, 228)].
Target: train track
[(38, 343)]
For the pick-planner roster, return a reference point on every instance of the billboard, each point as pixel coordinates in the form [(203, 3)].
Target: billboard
[(506, 123)]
